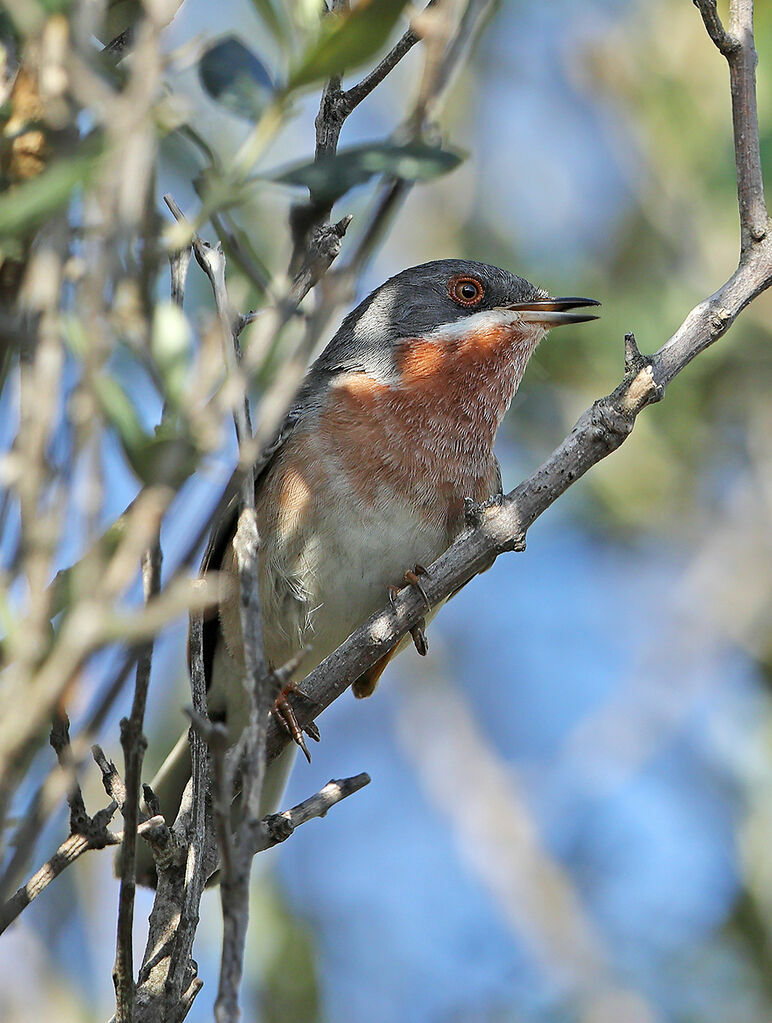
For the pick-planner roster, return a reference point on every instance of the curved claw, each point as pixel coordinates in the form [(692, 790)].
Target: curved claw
[(419, 638), (284, 713), (412, 578)]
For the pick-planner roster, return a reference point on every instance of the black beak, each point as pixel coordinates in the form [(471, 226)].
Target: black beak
[(554, 312)]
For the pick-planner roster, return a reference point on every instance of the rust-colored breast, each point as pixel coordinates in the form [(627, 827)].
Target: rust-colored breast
[(430, 436)]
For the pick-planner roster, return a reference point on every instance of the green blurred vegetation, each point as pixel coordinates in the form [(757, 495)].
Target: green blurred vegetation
[(674, 242)]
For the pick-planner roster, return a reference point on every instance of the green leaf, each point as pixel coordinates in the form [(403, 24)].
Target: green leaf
[(170, 343), (271, 19), (29, 204), (236, 78), (332, 177), (56, 6), (168, 455), (121, 414), (347, 41)]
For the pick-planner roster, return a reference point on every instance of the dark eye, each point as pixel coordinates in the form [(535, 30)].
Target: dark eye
[(466, 291)]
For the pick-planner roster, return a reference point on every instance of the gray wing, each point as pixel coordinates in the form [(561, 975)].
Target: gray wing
[(225, 526), (306, 402)]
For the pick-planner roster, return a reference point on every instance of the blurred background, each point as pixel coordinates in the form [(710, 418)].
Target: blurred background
[(570, 813)]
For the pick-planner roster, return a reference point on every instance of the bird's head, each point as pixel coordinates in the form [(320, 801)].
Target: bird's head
[(443, 304)]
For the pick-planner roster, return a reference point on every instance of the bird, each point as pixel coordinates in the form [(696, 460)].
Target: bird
[(392, 429)]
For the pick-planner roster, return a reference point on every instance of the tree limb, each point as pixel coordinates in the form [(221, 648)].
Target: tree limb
[(134, 744), (738, 47), (278, 827), (501, 525)]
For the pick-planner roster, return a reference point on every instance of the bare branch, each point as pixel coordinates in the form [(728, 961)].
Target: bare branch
[(134, 744), (738, 47), (501, 525), (323, 247), (337, 104), (237, 854), (111, 780), (709, 11), (446, 46), (352, 97), (69, 851), (175, 911), (60, 743), (279, 826), (92, 833), (334, 107)]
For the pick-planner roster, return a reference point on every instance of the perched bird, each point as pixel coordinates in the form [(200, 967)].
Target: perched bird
[(391, 430)]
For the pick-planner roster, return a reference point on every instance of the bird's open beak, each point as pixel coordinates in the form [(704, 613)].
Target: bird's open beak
[(554, 312)]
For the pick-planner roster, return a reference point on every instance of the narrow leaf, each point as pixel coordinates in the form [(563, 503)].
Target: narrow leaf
[(330, 178), (347, 41), (271, 19), (235, 77), (29, 204)]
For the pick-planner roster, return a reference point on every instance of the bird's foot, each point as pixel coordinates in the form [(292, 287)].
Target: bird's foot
[(412, 578), (284, 713), (420, 642)]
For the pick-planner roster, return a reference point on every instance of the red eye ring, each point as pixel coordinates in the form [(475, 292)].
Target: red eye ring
[(467, 291)]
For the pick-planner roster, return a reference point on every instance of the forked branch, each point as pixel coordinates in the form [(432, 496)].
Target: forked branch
[(502, 525)]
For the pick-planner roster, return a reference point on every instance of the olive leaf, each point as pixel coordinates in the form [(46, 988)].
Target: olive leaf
[(31, 202), (330, 178), (346, 41), (170, 344), (272, 19), (235, 77)]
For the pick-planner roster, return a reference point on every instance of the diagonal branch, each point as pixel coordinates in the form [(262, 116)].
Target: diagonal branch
[(501, 525), (278, 827), (351, 98), (709, 11)]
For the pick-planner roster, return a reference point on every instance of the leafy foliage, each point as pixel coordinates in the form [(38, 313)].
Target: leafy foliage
[(330, 178), (235, 77), (345, 42)]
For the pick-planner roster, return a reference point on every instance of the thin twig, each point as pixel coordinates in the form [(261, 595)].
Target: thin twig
[(502, 525), (93, 834), (134, 744), (60, 742), (738, 47), (111, 779), (237, 854), (352, 97), (278, 827), (211, 259)]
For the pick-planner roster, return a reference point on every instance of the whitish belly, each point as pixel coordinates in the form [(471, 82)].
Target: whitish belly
[(340, 575)]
